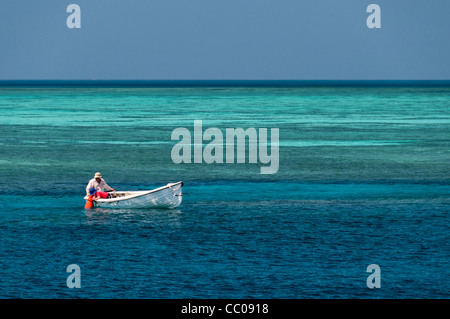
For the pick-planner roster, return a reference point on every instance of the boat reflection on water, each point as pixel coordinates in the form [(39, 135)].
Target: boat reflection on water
[(143, 217)]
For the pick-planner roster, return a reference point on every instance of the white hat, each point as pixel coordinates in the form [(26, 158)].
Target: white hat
[(98, 175)]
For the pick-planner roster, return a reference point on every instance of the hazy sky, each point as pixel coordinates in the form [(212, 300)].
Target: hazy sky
[(225, 39)]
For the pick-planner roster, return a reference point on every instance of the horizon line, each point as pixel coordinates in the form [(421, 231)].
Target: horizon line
[(216, 83)]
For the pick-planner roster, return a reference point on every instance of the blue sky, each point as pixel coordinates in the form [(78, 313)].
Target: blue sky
[(225, 40)]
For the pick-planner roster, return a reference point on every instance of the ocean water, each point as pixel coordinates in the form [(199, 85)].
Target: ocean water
[(363, 179)]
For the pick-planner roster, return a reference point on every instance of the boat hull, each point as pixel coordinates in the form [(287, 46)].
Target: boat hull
[(169, 196)]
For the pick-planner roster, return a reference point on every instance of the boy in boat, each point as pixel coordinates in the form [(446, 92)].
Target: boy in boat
[(99, 185), (97, 195)]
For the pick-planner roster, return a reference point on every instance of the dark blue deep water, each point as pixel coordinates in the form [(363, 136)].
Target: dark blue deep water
[(363, 179)]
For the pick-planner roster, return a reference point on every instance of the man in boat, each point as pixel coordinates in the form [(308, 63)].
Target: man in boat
[(98, 184)]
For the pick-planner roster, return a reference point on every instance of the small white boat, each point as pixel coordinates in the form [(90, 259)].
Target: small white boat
[(168, 196)]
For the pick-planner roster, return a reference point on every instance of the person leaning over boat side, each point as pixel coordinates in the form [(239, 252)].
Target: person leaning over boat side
[(97, 195), (94, 194), (99, 184)]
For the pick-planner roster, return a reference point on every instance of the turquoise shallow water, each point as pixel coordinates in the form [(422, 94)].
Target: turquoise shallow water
[(363, 179)]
